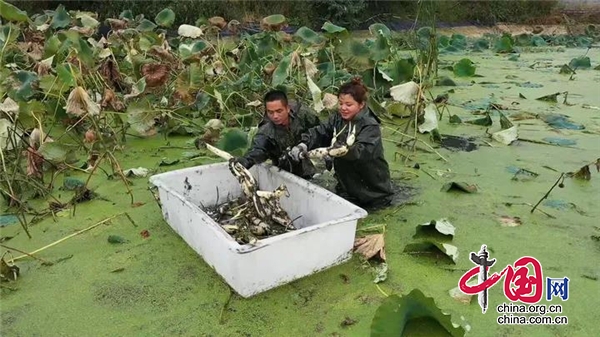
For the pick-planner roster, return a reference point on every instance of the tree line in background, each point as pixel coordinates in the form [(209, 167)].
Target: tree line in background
[(354, 14)]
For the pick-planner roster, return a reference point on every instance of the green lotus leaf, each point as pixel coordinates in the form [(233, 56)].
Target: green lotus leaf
[(165, 18)]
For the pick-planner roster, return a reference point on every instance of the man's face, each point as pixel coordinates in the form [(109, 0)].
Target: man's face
[(278, 112)]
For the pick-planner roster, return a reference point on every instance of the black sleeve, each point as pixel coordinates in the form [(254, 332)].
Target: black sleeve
[(260, 148), (319, 135), (364, 147)]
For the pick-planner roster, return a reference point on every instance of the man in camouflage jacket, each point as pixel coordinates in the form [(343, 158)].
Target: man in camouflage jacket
[(280, 130)]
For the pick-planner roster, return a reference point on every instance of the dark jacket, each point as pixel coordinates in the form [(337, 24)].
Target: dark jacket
[(274, 141), (363, 173)]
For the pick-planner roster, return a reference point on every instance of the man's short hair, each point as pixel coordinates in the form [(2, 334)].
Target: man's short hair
[(276, 95)]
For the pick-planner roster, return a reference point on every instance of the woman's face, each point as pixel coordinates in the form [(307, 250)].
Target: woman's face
[(348, 107)]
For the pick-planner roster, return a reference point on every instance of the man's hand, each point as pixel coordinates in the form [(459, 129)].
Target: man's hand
[(243, 161), (299, 152)]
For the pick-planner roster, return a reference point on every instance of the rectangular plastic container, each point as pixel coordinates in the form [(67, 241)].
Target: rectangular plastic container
[(324, 238)]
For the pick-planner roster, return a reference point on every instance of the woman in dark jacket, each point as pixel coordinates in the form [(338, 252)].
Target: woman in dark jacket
[(363, 175)]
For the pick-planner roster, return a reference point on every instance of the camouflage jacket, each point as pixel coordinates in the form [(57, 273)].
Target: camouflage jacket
[(273, 141)]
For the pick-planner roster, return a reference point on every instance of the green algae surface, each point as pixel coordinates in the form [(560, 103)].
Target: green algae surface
[(153, 284)]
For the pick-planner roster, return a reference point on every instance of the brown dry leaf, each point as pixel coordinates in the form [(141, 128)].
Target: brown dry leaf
[(23, 46), (35, 163), (217, 21), (35, 36), (111, 74), (79, 103), (183, 95), (269, 68), (109, 97), (584, 173), (42, 68), (330, 101), (233, 26), (9, 106), (86, 31), (295, 61), (116, 24), (34, 50), (211, 136), (310, 67), (509, 221), (161, 54), (156, 74), (111, 100), (74, 61), (519, 116), (370, 246), (37, 137)]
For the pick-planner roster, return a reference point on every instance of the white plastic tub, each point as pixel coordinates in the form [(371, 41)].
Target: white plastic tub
[(324, 238)]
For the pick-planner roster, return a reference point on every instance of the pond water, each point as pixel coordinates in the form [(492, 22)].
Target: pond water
[(157, 285)]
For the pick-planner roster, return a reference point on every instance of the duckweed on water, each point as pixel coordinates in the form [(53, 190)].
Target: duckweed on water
[(161, 282)]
